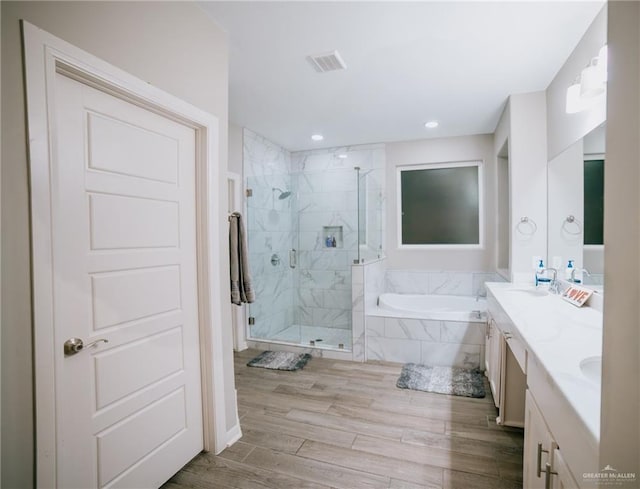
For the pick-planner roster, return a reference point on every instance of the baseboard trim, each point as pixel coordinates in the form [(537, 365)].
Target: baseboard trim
[(233, 435)]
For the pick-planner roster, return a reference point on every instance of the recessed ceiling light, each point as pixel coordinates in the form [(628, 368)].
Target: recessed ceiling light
[(431, 124), (342, 156), (317, 137)]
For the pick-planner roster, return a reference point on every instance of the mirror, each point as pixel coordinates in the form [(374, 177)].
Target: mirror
[(575, 209)]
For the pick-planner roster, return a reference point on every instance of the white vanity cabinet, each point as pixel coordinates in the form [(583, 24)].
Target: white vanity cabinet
[(563, 478), (538, 446), (494, 346), (543, 464), (505, 366), (544, 342)]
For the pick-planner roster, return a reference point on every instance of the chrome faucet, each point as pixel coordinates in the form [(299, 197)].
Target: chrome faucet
[(573, 275), (554, 286)]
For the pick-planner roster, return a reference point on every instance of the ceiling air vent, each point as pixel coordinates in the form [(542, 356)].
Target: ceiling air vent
[(327, 62)]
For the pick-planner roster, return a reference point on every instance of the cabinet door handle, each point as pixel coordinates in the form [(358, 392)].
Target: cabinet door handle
[(547, 475), (539, 465)]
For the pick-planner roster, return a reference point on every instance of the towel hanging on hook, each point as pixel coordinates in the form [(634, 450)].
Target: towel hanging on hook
[(241, 286)]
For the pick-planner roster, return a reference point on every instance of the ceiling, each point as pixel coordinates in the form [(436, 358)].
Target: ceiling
[(407, 63)]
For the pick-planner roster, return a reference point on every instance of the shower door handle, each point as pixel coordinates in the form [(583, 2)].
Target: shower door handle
[(293, 258)]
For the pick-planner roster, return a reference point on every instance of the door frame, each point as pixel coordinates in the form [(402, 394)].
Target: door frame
[(238, 313), (44, 56)]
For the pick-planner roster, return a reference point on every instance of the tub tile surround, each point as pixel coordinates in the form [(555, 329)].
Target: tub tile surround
[(394, 350), (403, 328), (442, 343), (438, 282), (432, 342)]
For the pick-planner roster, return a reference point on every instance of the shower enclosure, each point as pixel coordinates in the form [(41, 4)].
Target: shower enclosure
[(310, 216)]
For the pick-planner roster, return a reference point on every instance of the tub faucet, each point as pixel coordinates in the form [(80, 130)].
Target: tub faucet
[(573, 275), (554, 286), (481, 295)]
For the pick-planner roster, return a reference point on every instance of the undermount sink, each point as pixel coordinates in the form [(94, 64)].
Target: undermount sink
[(531, 292), (591, 368)]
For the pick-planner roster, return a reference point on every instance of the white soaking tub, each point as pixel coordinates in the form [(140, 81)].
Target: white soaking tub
[(434, 307)]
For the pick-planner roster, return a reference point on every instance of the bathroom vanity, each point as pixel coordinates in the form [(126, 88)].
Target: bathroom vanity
[(543, 364)]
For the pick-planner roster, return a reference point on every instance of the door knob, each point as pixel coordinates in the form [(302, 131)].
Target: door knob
[(75, 345)]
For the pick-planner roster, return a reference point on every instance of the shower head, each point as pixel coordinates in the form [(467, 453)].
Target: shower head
[(283, 195)]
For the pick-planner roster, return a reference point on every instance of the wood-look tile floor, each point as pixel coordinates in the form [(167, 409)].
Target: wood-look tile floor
[(345, 425)]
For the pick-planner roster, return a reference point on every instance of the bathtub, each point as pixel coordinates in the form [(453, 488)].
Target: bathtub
[(442, 330), (435, 307)]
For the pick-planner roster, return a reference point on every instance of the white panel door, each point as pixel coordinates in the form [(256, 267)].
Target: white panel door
[(128, 412)]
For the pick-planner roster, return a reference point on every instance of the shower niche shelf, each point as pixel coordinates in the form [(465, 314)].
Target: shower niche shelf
[(332, 237)]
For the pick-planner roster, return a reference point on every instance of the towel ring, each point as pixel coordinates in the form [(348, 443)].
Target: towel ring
[(526, 226), (566, 226)]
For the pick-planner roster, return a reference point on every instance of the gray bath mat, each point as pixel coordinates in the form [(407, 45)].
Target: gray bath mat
[(280, 360), (442, 380)]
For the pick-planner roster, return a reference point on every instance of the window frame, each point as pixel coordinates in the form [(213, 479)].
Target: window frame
[(434, 166)]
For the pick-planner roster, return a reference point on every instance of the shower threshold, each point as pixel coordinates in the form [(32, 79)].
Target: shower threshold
[(323, 338)]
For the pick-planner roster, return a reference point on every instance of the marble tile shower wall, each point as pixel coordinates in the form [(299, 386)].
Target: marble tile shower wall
[(327, 193), (270, 232)]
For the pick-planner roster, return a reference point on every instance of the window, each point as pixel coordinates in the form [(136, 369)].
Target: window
[(440, 205), (593, 201)]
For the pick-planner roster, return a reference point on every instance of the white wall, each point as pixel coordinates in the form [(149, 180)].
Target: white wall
[(620, 423), (0, 267), (565, 129), (528, 175), (465, 148), (235, 149), (173, 46)]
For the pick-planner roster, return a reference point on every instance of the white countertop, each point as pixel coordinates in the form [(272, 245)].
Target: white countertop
[(560, 336)]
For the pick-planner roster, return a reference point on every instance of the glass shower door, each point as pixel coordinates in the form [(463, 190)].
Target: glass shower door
[(269, 240), (327, 231)]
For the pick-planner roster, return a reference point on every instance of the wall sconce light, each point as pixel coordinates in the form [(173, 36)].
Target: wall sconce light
[(603, 60), (591, 83), (587, 87), (574, 103)]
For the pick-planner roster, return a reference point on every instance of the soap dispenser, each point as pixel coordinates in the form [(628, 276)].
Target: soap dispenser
[(540, 278), (568, 273)]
